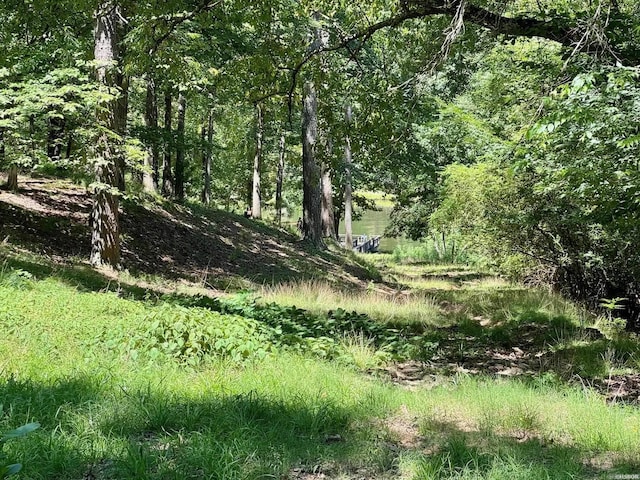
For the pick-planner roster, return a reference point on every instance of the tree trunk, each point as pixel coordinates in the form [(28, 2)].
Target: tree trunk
[(167, 178), (150, 171), (54, 138), (180, 147), (120, 127), (12, 178), (280, 178), (328, 213), (105, 223), (348, 200), (12, 172), (206, 160), (311, 174), (256, 203), (69, 146)]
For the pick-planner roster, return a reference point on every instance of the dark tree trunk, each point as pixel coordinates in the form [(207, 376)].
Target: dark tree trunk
[(12, 172), (180, 147), (328, 214), (348, 193), (167, 178), (206, 160), (55, 138), (311, 174), (150, 171), (69, 146), (256, 198), (12, 178), (105, 223), (120, 128), (280, 178)]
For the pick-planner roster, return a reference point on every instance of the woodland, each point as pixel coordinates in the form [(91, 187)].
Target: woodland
[(153, 330)]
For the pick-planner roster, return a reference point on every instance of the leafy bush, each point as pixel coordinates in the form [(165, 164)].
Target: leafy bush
[(190, 335)]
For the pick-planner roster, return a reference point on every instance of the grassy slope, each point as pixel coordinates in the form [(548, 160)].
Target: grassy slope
[(462, 402)]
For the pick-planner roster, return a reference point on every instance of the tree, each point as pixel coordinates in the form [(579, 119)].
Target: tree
[(256, 194), (105, 224)]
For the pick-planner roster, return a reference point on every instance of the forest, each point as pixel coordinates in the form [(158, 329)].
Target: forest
[(175, 293)]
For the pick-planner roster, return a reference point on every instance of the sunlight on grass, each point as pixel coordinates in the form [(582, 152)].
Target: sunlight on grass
[(383, 306), (105, 412)]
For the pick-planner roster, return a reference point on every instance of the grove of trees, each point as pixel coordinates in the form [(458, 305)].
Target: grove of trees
[(506, 129)]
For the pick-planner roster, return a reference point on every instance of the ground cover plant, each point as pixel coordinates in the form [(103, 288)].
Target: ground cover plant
[(501, 382)]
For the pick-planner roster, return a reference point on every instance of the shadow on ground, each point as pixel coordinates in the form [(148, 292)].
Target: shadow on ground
[(213, 248)]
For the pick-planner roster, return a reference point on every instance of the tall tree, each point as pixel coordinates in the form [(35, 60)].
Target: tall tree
[(280, 176), (167, 176), (256, 200), (151, 159), (180, 147), (105, 223), (206, 159), (348, 200), (311, 174)]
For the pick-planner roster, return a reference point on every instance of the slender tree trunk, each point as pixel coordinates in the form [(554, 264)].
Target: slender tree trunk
[(311, 174), (12, 172), (280, 178), (12, 178), (69, 145), (180, 147), (256, 194), (167, 178), (150, 171), (348, 193), (206, 160), (120, 128), (54, 138), (328, 213), (105, 223)]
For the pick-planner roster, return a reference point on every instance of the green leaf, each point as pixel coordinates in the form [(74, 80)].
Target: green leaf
[(20, 432)]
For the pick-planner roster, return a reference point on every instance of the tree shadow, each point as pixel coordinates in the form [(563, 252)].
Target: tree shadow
[(461, 452), (211, 247), (92, 431)]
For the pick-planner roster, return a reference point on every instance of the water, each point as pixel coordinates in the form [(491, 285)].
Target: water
[(374, 223)]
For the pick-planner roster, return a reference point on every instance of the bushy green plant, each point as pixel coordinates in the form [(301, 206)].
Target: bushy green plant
[(190, 335), (8, 469)]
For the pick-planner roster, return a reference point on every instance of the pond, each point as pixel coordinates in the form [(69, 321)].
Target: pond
[(374, 223)]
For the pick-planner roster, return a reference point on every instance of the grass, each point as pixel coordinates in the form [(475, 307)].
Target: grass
[(110, 411), (381, 305)]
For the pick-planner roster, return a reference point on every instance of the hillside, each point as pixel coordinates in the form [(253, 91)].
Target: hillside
[(212, 248)]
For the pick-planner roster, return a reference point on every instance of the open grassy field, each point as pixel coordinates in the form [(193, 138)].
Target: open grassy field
[(461, 376)]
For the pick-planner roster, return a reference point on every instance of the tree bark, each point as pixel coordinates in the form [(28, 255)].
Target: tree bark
[(54, 138), (120, 127), (311, 174), (12, 178), (280, 177), (348, 193), (328, 213), (12, 172), (256, 194), (105, 222), (180, 147), (206, 159), (167, 178), (150, 172)]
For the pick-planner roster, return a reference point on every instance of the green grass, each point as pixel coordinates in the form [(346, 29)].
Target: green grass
[(380, 304), (73, 359)]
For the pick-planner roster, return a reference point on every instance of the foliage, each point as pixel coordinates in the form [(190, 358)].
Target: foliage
[(7, 470), (193, 335)]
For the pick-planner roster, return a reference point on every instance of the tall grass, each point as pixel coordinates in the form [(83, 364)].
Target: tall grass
[(381, 305)]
